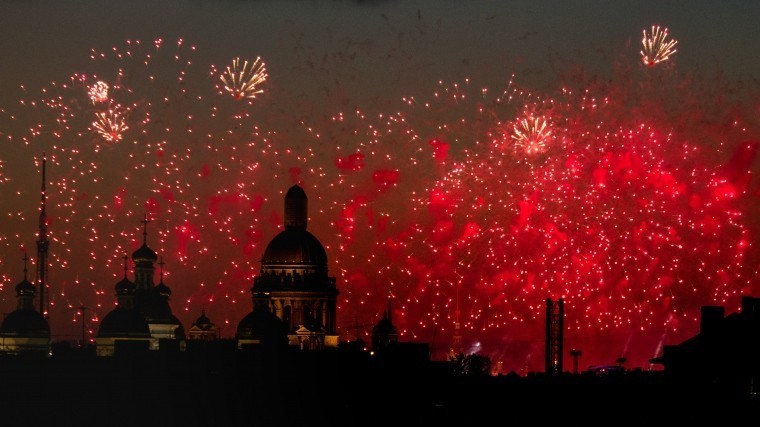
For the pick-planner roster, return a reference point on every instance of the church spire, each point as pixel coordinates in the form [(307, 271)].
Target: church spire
[(126, 264), (42, 248), (26, 258), (144, 257), (145, 222), (161, 270)]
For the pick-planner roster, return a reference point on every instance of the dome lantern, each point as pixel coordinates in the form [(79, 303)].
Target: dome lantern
[(296, 208)]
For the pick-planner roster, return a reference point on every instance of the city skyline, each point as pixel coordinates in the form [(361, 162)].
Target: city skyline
[(631, 195)]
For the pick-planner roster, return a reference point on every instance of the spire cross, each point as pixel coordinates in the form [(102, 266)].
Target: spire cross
[(145, 222), (126, 257), (26, 258), (161, 271)]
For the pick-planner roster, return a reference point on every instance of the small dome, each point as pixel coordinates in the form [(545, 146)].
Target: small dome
[(162, 289), (123, 322), (203, 322), (125, 286), (25, 287), (25, 322), (264, 325), (144, 253), (295, 246)]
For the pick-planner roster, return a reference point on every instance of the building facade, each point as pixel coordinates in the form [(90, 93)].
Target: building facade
[(293, 285)]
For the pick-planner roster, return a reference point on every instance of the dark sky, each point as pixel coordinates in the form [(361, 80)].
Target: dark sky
[(329, 57), (439, 39)]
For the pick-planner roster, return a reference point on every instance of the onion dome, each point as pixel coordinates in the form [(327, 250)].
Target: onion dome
[(144, 253), (123, 322), (25, 322), (25, 287), (125, 286), (162, 289)]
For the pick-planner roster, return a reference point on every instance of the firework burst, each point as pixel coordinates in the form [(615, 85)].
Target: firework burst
[(656, 47), (531, 134), (110, 124), (98, 92), (243, 79)]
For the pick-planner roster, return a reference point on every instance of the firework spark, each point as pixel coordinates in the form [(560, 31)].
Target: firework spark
[(110, 124), (244, 80), (656, 46), (531, 134), (98, 92)]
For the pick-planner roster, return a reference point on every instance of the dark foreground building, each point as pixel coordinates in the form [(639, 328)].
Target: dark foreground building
[(217, 384), (724, 355)]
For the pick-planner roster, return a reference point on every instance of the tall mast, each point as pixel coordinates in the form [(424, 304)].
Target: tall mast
[(456, 339), (42, 250)]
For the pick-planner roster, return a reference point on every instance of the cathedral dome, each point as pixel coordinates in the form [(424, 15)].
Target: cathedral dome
[(25, 322), (144, 253), (123, 322), (295, 246)]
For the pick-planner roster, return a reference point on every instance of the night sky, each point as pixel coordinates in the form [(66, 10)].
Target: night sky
[(468, 159)]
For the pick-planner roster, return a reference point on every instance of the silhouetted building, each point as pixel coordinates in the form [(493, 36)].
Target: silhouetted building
[(203, 329), (150, 302), (725, 353), (261, 327), (25, 330), (124, 323), (294, 284), (384, 333)]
